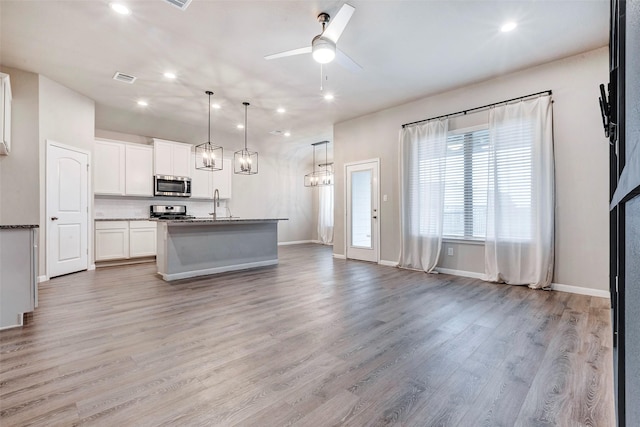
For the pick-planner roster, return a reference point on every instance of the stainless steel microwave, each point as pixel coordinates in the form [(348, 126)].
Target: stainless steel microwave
[(167, 185)]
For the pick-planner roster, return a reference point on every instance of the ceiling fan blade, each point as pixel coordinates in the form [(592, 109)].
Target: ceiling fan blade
[(348, 63), (289, 53), (338, 23)]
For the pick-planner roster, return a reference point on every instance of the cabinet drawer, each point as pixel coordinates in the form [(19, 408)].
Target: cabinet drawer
[(142, 224), (111, 225)]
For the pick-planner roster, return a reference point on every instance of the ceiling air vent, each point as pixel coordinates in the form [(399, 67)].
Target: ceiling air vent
[(124, 78), (180, 4)]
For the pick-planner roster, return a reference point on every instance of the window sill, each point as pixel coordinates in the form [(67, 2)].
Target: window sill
[(462, 241)]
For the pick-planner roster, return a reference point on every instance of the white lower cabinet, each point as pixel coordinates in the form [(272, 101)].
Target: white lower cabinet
[(142, 238), (125, 239), (112, 240), (18, 274)]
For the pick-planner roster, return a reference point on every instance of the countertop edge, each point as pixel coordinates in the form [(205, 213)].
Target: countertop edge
[(17, 226)]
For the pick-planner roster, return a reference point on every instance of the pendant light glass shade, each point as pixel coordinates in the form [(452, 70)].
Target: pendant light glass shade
[(245, 162), (208, 156), (322, 177)]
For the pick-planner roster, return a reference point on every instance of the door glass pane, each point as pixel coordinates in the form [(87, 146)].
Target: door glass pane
[(361, 209)]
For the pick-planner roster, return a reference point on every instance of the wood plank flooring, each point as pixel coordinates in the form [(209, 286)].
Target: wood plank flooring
[(313, 341)]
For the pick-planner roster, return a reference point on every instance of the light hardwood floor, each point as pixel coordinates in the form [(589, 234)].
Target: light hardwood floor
[(311, 342)]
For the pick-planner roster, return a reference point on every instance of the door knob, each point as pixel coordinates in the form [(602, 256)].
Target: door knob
[(54, 218)]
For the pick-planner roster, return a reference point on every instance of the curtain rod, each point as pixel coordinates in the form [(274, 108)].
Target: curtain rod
[(464, 112)]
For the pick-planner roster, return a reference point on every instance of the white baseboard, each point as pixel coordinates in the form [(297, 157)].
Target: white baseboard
[(388, 263), (216, 270), (295, 242), (91, 267), (43, 279), (579, 290), (339, 256), (462, 273)]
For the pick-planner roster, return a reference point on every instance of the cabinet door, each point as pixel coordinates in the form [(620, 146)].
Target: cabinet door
[(142, 238), (181, 157), (201, 182), (112, 240), (17, 275), (222, 179), (162, 154), (139, 170), (109, 168)]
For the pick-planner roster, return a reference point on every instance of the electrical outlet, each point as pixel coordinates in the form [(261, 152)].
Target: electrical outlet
[(385, 198), (450, 251)]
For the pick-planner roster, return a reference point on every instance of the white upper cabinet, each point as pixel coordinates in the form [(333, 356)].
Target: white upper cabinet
[(172, 158), (138, 170), (122, 169), (204, 183), (109, 168), (5, 114), (222, 180), (201, 181)]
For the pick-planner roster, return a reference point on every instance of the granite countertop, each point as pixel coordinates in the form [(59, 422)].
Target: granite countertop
[(222, 220), (10, 227), (121, 219)]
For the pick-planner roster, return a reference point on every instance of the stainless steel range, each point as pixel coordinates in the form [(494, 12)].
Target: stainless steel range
[(174, 212)]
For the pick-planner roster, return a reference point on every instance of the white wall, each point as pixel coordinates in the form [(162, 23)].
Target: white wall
[(277, 191), (68, 118), (19, 188), (581, 153)]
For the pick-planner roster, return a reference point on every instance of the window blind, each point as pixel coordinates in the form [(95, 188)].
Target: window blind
[(466, 180)]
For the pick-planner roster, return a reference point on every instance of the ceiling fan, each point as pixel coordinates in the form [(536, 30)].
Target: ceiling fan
[(323, 46)]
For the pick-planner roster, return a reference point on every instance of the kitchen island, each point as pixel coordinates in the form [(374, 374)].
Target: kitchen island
[(203, 246)]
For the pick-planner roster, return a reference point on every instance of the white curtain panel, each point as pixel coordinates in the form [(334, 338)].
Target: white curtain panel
[(519, 247), (423, 150), (325, 214)]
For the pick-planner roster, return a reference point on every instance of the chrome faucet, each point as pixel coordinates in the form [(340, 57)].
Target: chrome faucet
[(216, 203)]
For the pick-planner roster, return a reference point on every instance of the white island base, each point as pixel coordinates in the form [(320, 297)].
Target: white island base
[(191, 248)]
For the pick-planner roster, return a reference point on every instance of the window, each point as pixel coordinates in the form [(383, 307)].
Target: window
[(466, 182), (469, 174)]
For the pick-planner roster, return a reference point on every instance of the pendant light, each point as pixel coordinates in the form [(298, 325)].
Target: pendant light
[(321, 177), (245, 162), (208, 156)]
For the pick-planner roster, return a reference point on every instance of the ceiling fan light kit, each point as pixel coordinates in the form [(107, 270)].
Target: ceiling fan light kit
[(323, 46), (208, 156), (323, 50), (245, 162)]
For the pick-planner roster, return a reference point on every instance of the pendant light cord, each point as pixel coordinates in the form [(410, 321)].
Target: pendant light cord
[(209, 129), (246, 104)]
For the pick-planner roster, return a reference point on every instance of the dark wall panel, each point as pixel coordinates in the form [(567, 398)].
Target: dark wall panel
[(632, 220)]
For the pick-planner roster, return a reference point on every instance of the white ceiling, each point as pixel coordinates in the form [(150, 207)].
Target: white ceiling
[(408, 49)]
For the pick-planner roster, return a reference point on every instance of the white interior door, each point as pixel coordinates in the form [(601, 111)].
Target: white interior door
[(67, 210), (362, 210)]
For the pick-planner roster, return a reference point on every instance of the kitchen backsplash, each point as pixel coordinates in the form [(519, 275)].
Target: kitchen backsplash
[(107, 207)]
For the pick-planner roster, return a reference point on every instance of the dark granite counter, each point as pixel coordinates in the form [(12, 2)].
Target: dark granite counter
[(218, 221), (122, 219), (10, 227)]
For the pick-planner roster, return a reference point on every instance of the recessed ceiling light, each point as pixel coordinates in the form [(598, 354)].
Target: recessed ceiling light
[(281, 110), (216, 106), (287, 134), (240, 126), (143, 103), (508, 26), (120, 8), (170, 75), (328, 97)]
